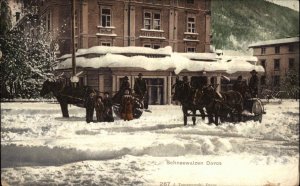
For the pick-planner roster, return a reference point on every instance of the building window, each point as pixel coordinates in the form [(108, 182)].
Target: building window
[(291, 63), (18, 16), (276, 64), (191, 24), (276, 80), (191, 49), (147, 45), (156, 21), (105, 17), (152, 20), (147, 20), (263, 50), (190, 1), (277, 49), (291, 48), (263, 63), (105, 44), (263, 80)]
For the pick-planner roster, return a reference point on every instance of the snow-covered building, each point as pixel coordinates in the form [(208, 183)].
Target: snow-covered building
[(184, 24), (104, 67), (277, 57)]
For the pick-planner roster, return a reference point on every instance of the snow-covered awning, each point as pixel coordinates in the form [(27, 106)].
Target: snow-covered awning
[(176, 62)]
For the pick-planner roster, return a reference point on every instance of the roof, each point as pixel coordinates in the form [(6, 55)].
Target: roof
[(274, 42), (177, 62)]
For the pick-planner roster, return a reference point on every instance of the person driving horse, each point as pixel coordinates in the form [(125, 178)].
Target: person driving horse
[(253, 84), (140, 88), (186, 86), (125, 85), (240, 86)]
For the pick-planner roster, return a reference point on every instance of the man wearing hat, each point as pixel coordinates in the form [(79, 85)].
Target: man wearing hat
[(140, 88), (125, 85), (89, 104), (253, 84)]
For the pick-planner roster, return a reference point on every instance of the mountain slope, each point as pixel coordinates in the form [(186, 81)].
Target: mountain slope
[(238, 23)]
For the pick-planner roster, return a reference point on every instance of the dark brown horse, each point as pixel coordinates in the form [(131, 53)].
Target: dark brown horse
[(187, 96), (66, 94), (226, 105)]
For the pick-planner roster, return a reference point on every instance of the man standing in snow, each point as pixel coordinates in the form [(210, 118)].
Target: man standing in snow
[(99, 107), (107, 115), (253, 84), (89, 105), (140, 88)]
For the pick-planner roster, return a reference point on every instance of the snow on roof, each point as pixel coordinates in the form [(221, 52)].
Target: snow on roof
[(276, 41), (200, 56), (121, 50), (176, 62)]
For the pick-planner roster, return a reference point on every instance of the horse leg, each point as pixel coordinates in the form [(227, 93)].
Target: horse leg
[(210, 116), (64, 109), (184, 116), (217, 116), (202, 113), (194, 117)]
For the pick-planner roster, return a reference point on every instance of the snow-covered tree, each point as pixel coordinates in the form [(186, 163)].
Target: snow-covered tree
[(25, 64), (28, 59), (291, 84)]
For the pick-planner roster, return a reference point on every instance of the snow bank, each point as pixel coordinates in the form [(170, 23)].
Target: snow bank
[(39, 146)]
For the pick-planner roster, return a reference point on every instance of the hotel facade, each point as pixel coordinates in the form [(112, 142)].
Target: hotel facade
[(182, 24)]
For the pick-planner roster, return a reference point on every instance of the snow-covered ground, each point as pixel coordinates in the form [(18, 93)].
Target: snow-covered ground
[(39, 147)]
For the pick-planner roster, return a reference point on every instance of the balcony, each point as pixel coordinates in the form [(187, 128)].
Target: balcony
[(106, 31), (191, 37), (152, 34)]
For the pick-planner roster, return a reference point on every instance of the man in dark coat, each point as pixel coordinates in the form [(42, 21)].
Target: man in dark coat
[(140, 88), (107, 102), (99, 107), (240, 86), (253, 84), (89, 105), (125, 85), (186, 86)]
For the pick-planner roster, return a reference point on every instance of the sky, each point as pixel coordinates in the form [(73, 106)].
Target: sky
[(293, 4)]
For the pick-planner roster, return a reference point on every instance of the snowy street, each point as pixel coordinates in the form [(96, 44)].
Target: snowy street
[(39, 147)]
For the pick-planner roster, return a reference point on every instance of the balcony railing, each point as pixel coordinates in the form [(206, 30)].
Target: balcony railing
[(106, 31), (152, 34), (190, 36)]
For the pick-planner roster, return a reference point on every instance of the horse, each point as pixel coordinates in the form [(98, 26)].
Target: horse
[(187, 96), (66, 94), (137, 104), (221, 104)]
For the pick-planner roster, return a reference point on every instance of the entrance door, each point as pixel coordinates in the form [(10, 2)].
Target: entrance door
[(155, 90)]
